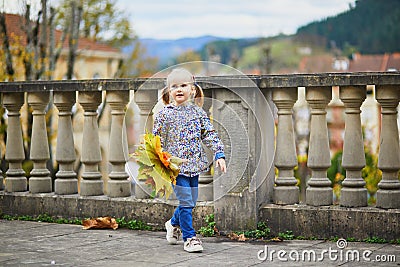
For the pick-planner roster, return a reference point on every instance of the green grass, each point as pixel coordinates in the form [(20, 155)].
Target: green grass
[(133, 224), (262, 232), (209, 229), (287, 235), (122, 222)]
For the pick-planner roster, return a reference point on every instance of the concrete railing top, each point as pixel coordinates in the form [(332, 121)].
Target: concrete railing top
[(330, 79), (72, 85), (234, 81)]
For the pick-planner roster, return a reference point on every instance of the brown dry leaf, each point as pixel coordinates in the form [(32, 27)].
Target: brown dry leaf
[(242, 238), (234, 236), (277, 239), (100, 223)]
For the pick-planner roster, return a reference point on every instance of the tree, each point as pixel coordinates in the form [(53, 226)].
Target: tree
[(188, 56), (76, 13), (97, 20), (356, 28), (137, 64), (9, 73), (35, 48), (101, 21)]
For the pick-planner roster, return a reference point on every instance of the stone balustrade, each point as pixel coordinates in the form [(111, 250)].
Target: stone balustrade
[(245, 123)]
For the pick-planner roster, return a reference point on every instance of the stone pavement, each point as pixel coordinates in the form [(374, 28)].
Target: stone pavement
[(45, 244)]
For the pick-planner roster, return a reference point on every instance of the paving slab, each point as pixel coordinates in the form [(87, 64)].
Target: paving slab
[(46, 244)]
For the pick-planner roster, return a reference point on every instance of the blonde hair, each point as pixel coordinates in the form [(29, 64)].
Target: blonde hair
[(198, 96)]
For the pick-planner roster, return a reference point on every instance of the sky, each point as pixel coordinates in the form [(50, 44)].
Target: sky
[(174, 19)]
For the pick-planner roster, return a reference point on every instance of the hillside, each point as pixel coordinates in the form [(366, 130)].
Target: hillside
[(279, 54), (371, 27)]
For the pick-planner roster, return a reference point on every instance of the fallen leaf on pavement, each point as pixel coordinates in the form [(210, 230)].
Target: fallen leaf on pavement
[(234, 236), (100, 223), (277, 239)]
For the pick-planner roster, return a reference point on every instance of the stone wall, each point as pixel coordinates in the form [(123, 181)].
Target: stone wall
[(151, 211)]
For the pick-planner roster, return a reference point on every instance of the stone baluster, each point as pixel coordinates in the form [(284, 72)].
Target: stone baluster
[(206, 191), (388, 194), (15, 176), (40, 181), (66, 178), (319, 191), (91, 183), (118, 185), (353, 193), (286, 191), (146, 100)]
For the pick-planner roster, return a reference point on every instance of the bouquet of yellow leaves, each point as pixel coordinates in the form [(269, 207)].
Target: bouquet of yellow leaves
[(157, 168)]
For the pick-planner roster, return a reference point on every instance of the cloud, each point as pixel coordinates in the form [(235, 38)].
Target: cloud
[(176, 19), (226, 18)]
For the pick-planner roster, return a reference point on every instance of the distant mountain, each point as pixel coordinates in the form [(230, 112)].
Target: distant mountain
[(167, 50)]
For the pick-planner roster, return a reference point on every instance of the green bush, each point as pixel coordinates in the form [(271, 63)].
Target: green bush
[(209, 229), (261, 232), (370, 173)]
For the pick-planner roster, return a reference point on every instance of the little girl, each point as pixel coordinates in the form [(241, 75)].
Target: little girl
[(183, 126)]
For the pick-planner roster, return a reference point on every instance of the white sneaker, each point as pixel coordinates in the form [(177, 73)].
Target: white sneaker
[(193, 245), (173, 233)]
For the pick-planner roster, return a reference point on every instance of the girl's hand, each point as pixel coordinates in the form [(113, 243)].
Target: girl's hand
[(221, 164)]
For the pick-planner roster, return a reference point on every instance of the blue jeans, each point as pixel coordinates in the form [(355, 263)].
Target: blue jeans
[(186, 191)]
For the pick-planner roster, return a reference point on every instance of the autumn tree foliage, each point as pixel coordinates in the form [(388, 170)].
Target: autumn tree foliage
[(103, 22), (37, 50), (369, 27)]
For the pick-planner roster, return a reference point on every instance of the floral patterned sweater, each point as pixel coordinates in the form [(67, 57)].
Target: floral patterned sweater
[(183, 129)]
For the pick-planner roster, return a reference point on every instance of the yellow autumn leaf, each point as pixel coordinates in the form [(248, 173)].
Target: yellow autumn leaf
[(162, 183), (157, 167), (143, 172)]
